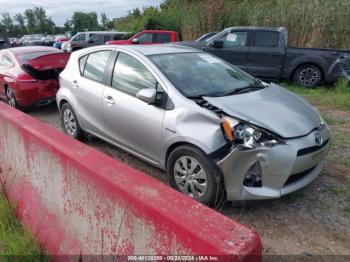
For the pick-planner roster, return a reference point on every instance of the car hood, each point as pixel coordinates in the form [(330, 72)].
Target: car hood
[(273, 108)]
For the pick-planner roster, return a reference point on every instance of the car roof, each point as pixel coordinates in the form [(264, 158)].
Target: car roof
[(156, 49), (31, 49), (256, 28), (102, 32), (157, 31)]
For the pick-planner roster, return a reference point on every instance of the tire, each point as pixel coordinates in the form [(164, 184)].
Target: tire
[(307, 76), (203, 188), (11, 98), (69, 122)]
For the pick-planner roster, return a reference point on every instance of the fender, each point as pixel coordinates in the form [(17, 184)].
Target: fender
[(318, 61)]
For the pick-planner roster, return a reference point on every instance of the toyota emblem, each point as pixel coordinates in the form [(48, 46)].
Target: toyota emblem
[(318, 138)]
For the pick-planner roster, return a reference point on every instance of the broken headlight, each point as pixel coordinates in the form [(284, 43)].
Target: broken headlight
[(247, 136), (252, 137)]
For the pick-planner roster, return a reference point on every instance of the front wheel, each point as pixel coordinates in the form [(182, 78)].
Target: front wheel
[(307, 76), (69, 122), (193, 173)]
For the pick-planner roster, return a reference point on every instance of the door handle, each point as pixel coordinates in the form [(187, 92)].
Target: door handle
[(75, 84), (109, 100)]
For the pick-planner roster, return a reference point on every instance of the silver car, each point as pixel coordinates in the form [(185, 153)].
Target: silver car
[(211, 126)]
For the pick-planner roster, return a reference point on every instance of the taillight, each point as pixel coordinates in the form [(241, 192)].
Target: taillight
[(25, 78)]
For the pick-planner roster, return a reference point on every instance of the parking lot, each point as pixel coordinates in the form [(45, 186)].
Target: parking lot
[(312, 221)]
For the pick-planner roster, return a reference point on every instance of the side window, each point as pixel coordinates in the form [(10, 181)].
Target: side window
[(79, 38), (106, 38), (163, 38), (97, 39), (266, 39), (145, 38), (130, 75), (117, 37), (82, 62), (235, 39), (95, 65)]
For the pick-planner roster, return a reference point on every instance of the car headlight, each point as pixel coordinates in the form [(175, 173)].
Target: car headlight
[(323, 123), (247, 136)]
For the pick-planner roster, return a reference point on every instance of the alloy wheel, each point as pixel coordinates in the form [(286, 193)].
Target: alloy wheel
[(190, 177), (69, 122), (308, 76)]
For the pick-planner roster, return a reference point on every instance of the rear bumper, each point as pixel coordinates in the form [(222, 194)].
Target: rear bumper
[(36, 93), (284, 168)]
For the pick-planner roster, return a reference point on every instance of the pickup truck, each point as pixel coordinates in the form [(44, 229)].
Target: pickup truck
[(263, 52), (148, 37)]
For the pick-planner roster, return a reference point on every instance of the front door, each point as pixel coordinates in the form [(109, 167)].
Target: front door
[(235, 48), (131, 123)]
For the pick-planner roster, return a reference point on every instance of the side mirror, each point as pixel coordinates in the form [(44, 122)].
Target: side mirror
[(218, 44), (147, 95), (135, 41)]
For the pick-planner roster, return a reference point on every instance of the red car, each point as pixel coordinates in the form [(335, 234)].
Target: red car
[(148, 37), (29, 75)]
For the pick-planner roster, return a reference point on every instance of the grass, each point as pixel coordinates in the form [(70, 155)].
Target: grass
[(335, 97), (347, 211), (16, 242)]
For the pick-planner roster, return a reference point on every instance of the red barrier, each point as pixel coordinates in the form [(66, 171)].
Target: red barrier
[(77, 200)]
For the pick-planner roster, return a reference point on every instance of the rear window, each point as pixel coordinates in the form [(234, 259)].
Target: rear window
[(163, 38), (95, 65), (266, 39), (23, 58)]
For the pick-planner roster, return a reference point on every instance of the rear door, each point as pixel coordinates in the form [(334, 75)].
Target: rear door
[(89, 87), (235, 48), (266, 55), (131, 123)]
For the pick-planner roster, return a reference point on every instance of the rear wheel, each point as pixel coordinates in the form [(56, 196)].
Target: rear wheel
[(307, 76), (10, 98), (70, 123), (193, 173)]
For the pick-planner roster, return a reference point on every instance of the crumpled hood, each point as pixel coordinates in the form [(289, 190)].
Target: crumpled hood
[(273, 108)]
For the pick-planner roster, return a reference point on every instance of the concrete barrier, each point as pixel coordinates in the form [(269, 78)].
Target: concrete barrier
[(78, 201)]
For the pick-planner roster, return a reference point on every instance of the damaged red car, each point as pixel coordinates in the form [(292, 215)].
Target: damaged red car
[(29, 75)]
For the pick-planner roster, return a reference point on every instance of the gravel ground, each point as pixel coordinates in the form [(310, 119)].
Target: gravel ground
[(312, 222)]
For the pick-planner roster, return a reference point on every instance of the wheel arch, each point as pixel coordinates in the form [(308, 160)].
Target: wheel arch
[(313, 63), (175, 145)]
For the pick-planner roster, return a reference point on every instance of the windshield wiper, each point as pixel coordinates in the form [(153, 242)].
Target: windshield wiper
[(245, 89)]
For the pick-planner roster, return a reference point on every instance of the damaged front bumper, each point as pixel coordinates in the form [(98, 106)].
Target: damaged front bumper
[(285, 168)]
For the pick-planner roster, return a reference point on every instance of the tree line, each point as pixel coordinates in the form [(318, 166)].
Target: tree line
[(36, 21), (312, 23)]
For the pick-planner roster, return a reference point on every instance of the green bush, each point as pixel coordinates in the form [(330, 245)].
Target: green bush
[(16, 243), (312, 23)]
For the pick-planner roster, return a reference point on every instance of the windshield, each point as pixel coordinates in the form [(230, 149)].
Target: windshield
[(201, 74)]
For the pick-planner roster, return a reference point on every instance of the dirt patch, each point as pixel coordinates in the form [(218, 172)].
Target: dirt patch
[(312, 221)]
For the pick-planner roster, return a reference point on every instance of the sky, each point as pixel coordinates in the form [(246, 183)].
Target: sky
[(61, 10)]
